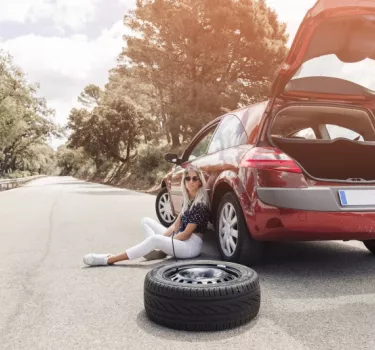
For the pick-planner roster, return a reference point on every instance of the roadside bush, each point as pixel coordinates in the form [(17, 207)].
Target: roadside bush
[(20, 174), (149, 159), (87, 170)]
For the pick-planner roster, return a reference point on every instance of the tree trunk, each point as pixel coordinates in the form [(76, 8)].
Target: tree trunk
[(175, 133), (163, 115)]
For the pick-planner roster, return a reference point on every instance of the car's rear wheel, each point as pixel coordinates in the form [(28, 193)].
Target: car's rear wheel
[(164, 208), (370, 245), (234, 239)]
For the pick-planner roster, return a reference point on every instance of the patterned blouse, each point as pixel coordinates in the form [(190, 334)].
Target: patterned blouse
[(198, 215)]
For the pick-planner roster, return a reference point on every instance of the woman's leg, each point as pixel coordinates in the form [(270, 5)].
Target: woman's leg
[(183, 249), (155, 240), (150, 227)]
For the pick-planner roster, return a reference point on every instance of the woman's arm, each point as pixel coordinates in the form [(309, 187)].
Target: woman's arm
[(195, 217), (174, 227), (183, 236)]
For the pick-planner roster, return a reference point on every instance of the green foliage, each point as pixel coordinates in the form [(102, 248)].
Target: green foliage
[(110, 132), (149, 159), (185, 63), (70, 161), (26, 124), (203, 57), (90, 96)]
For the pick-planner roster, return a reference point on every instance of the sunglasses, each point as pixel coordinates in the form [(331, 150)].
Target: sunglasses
[(189, 178)]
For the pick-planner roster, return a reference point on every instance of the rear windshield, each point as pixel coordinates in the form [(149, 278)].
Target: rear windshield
[(361, 73), (323, 123)]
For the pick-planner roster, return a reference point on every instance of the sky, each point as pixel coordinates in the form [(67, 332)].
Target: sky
[(65, 45)]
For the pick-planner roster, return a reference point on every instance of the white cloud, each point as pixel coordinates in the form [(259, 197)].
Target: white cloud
[(70, 57), (128, 3), (64, 66), (292, 12), (73, 14)]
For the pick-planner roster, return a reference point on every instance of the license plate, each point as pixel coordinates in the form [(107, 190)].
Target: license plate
[(357, 197)]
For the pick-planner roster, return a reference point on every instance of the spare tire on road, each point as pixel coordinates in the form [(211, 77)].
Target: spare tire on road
[(202, 295)]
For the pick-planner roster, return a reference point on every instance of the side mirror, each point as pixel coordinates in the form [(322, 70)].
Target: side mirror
[(172, 158)]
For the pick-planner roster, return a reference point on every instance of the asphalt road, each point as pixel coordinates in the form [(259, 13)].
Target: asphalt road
[(315, 295)]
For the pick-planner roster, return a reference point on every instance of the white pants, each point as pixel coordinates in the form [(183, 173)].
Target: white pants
[(155, 240)]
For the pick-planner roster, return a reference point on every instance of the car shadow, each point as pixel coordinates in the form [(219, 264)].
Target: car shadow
[(104, 192), (162, 332), (327, 268), (142, 264), (337, 266), (316, 269)]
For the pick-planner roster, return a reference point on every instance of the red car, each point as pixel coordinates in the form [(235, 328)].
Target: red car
[(299, 166)]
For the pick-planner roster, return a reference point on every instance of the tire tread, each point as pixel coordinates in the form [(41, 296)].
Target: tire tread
[(202, 308)]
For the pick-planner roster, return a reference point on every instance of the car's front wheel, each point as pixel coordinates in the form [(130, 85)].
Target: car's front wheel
[(234, 240), (370, 245), (163, 208)]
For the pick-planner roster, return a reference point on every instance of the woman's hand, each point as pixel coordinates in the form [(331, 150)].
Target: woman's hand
[(174, 227), (183, 236)]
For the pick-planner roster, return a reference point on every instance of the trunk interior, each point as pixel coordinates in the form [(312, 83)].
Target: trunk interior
[(324, 155), (334, 160)]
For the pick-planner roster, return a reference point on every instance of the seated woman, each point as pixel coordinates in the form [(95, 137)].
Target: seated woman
[(187, 230)]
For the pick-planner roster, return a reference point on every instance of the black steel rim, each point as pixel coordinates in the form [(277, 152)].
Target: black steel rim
[(201, 274)]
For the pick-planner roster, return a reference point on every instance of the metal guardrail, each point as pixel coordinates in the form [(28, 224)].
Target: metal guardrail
[(7, 184)]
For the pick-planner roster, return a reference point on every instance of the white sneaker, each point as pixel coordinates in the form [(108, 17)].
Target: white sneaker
[(96, 259)]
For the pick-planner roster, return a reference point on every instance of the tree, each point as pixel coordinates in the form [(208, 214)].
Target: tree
[(125, 82), (203, 56), (25, 120), (69, 161), (90, 96), (109, 132)]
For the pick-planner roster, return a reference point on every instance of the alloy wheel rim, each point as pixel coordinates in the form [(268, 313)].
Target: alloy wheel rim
[(165, 208), (228, 229), (201, 274)]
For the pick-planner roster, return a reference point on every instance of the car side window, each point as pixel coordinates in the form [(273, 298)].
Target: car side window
[(230, 133), (307, 133), (336, 131), (200, 148)]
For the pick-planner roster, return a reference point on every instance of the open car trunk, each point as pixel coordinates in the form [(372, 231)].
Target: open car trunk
[(344, 29), (325, 158), (332, 160)]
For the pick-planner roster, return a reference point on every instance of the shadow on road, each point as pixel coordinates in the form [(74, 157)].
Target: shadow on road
[(324, 268), (158, 331), (81, 184), (306, 287), (109, 193), (308, 281), (317, 270), (310, 269), (143, 264)]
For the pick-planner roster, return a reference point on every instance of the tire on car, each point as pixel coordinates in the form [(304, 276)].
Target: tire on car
[(202, 295), (370, 245), (163, 208), (234, 239)]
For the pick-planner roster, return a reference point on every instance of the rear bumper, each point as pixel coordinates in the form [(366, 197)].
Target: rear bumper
[(288, 214), (322, 199)]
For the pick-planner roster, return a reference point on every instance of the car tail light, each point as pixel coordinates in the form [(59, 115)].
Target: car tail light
[(269, 158)]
